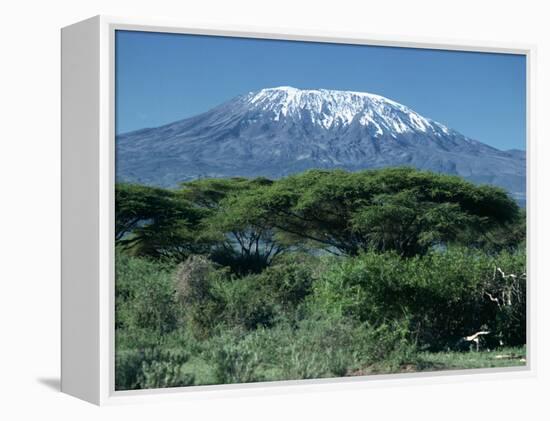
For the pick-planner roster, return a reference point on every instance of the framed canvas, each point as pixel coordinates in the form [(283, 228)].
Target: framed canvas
[(251, 209)]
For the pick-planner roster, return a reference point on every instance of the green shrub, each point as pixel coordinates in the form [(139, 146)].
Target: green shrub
[(507, 291), (243, 303), (151, 368), (445, 295), (289, 280), (212, 296), (315, 348), (309, 316), (165, 369), (144, 295), (236, 357), (147, 359)]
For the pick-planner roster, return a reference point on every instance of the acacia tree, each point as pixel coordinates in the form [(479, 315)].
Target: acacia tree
[(250, 240), (508, 236), (157, 222), (244, 223), (135, 204), (400, 209), (207, 193), (406, 224), (243, 238)]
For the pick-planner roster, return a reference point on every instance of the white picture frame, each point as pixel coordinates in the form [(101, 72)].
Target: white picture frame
[(88, 135)]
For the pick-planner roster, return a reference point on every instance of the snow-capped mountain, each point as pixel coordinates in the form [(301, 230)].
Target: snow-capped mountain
[(279, 131), (338, 109)]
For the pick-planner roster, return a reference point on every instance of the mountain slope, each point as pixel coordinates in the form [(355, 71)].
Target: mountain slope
[(278, 131)]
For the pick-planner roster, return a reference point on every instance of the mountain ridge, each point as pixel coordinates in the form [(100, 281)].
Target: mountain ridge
[(275, 132)]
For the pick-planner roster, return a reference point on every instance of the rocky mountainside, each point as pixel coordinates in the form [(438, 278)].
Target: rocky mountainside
[(279, 131)]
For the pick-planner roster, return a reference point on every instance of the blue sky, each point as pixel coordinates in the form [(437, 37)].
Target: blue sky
[(161, 78)]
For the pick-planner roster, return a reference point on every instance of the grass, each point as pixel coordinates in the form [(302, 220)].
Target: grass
[(504, 357), (450, 360), (204, 372)]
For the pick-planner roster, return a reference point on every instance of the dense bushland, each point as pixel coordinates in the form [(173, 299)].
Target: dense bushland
[(321, 274)]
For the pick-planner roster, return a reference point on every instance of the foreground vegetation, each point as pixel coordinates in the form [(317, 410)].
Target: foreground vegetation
[(322, 274)]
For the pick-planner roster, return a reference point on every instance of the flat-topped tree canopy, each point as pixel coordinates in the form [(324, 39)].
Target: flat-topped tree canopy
[(401, 209)]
